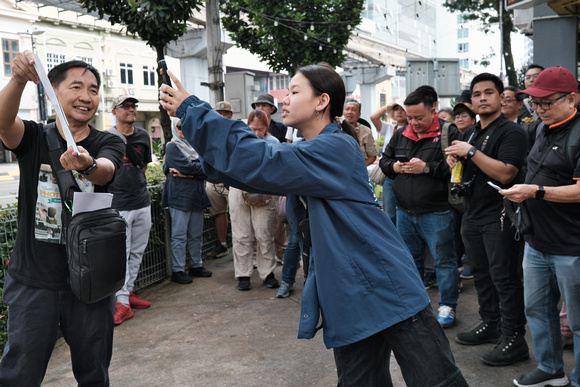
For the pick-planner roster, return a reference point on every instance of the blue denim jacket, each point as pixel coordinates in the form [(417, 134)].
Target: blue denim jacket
[(362, 278)]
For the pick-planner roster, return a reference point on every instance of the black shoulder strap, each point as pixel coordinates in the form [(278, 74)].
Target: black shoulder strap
[(445, 137), (572, 143), (67, 184)]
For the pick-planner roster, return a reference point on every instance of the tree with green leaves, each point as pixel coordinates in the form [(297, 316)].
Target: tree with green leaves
[(157, 22), (293, 33), (488, 12)]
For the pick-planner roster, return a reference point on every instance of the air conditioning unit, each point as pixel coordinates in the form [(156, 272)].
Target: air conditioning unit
[(110, 83), (110, 72)]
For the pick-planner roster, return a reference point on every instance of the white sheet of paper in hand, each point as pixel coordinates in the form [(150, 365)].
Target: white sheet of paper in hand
[(70, 141), (91, 201)]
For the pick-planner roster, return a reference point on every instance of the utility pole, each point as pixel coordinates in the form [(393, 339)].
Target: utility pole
[(214, 52)]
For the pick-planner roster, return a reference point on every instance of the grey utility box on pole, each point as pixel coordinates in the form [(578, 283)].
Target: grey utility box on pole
[(442, 74), (239, 90)]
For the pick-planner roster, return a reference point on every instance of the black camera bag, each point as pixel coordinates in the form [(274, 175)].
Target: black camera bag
[(95, 240)]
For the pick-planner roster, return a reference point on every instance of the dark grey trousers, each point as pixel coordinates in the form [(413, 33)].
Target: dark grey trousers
[(34, 316)]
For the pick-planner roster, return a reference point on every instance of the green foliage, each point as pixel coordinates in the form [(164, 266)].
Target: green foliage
[(8, 231), (487, 11), (157, 22), (154, 174), (276, 30)]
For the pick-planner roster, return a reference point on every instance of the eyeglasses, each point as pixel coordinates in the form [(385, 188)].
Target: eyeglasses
[(546, 105), (528, 77), (509, 100), (462, 116), (128, 106)]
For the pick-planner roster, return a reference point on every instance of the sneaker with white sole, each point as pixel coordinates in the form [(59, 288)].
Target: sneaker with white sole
[(446, 316), (285, 290), (539, 378)]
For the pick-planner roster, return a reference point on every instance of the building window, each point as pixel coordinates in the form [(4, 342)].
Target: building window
[(462, 33), (126, 73), (148, 76), (280, 82), (462, 47), (54, 59), (9, 50), (85, 59), (460, 19), (464, 63)]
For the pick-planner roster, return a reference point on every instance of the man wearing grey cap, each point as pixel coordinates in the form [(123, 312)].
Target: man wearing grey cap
[(131, 198), (266, 103)]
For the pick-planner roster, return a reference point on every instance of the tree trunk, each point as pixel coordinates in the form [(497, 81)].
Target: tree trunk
[(164, 119), (508, 26), (214, 52)]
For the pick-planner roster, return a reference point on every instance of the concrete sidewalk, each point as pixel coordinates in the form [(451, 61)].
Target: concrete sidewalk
[(210, 334)]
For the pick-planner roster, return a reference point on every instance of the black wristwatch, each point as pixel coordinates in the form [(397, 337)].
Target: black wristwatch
[(540, 192), (90, 169), (426, 169), (471, 152)]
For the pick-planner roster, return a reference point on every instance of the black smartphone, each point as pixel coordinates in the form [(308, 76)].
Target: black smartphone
[(402, 158), (163, 72)]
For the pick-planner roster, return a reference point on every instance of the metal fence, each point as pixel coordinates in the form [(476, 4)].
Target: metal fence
[(156, 265)]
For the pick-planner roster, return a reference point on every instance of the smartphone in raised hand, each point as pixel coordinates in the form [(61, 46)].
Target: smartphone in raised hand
[(163, 72)]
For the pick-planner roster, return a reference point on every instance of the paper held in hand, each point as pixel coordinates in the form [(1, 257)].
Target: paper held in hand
[(70, 141)]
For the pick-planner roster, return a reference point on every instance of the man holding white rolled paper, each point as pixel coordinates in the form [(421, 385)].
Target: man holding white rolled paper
[(36, 288)]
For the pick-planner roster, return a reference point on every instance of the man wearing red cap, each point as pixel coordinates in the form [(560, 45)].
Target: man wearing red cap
[(552, 251)]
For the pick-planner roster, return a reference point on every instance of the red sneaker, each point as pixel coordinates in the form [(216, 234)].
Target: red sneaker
[(122, 313), (137, 302)]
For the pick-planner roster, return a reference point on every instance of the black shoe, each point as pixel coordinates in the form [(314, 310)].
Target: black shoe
[(219, 251), (271, 281), (486, 332), (539, 378), (509, 349), (180, 277), (244, 283), (199, 272)]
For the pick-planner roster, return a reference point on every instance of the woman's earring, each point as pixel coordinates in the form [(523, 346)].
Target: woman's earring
[(317, 113)]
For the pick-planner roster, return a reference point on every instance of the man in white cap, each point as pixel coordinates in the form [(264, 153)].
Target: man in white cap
[(131, 198), (551, 256)]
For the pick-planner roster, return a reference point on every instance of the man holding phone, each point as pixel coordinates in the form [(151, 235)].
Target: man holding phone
[(414, 160)]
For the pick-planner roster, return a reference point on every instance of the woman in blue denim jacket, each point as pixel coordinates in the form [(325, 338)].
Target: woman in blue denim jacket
[(362, 283)]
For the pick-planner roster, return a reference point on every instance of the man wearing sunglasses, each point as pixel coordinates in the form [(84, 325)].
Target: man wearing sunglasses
[(552, 251), (131, 198)]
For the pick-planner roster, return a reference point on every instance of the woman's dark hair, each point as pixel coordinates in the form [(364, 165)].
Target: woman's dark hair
[(259, 115), (324, 79), (58, 73)]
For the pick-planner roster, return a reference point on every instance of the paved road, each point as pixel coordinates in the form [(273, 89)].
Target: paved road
[(9, 177), (210, 334)]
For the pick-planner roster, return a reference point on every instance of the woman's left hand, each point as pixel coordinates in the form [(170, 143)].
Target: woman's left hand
[(171, 98)]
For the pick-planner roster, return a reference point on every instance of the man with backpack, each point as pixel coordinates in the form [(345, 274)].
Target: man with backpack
[(416, 163), (552, 250), (37, 290)]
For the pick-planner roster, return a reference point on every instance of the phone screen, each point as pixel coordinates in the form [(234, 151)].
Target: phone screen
[(402, 158)]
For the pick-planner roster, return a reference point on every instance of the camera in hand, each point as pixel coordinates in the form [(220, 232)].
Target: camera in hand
[(460, 190)]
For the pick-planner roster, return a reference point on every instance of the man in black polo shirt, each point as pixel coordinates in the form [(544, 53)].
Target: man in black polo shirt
[(552, 251), (494, 150)]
